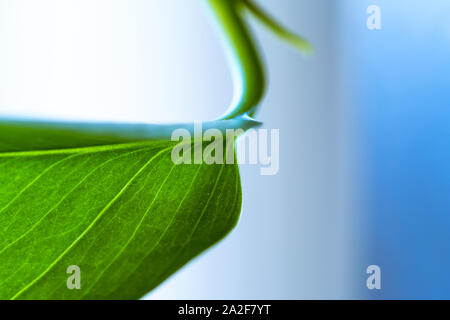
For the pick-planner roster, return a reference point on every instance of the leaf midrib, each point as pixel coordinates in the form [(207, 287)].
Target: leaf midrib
[(90, 149)]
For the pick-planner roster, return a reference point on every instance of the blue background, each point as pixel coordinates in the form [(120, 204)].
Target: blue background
[(400, 86)]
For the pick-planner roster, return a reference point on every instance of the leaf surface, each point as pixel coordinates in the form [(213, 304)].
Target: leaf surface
[(118, 208)]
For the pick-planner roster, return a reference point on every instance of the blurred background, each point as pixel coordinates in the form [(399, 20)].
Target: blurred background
[(364, 170), (397, 91)]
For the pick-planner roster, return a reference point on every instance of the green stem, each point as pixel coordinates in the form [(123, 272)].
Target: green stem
[(300, 43), (247, 66), (248, 70)]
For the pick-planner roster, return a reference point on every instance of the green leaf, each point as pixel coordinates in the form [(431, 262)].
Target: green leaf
[(122, 211)]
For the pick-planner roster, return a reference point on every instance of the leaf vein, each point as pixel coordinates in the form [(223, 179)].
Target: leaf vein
[(89, 227), (65, 197), (30, 184), (192, 233)]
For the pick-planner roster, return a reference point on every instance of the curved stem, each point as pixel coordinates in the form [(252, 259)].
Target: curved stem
[(248, 70), (299, 42)]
